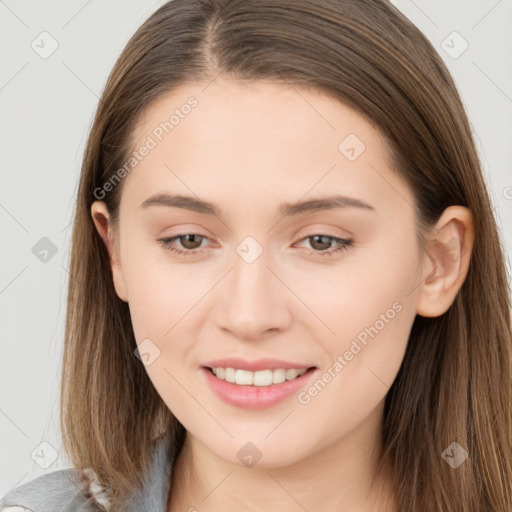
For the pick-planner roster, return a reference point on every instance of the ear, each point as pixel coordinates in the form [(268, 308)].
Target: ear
[(101, 218), (449, 252)]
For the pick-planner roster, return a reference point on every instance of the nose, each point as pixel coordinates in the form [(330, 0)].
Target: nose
[(253, 303)]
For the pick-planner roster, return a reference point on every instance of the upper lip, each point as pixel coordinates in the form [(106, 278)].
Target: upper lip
[(253, 366)]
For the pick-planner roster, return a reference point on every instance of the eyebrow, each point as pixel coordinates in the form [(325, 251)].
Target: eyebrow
[(285, 209)]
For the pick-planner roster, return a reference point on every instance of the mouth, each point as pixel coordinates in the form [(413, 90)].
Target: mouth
[(256, 390), (260, 378)]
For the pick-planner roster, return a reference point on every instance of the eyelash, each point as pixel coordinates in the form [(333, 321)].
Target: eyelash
[(343, 244)]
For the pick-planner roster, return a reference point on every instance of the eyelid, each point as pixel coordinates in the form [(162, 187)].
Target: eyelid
[(325, 229), (184, 229)]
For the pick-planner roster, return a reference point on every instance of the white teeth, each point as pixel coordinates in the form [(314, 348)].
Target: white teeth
[(243, 377), (259, 378), (291, 374), (229, 374)]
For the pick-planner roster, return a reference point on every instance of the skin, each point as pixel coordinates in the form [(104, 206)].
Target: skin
[(247, 148)]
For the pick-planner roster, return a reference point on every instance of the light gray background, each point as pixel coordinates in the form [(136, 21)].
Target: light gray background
[(46, 108)]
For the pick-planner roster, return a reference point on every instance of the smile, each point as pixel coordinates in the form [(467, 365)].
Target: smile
[(259, 378), (256, 390)]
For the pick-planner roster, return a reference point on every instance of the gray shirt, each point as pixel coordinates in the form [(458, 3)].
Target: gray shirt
[(59, 491)]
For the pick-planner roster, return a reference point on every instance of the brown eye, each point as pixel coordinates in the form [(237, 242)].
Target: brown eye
[(321, 245), (191, 241), (321, 242), (186, 244)]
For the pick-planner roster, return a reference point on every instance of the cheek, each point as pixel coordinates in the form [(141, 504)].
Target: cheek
[(355, 291), (369, 309), (163, 299), (361, 360), (160, 291)]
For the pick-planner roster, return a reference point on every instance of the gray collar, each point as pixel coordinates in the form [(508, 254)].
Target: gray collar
[(157, 480), (61, 490)]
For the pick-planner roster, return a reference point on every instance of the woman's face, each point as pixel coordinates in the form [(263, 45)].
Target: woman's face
[(276, 266)]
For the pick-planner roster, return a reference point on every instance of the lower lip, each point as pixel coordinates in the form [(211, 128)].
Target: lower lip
[(255, 397)]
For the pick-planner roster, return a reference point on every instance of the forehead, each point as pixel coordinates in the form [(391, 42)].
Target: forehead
[(261, 110), (250, 138)]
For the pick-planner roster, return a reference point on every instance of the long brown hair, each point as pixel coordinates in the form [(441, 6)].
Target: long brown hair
[(454, 384)]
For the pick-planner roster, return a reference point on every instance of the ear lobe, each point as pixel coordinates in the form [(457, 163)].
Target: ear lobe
[(449, 251), (101, 218)]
